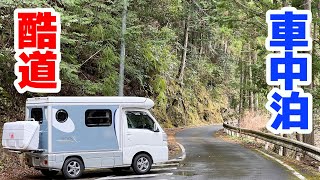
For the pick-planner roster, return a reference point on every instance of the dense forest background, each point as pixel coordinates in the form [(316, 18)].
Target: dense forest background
[(199, 60)]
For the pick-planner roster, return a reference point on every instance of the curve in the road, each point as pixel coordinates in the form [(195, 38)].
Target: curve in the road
[(212, 158)]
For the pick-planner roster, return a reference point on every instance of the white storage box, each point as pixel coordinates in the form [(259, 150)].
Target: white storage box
[(21, 135)]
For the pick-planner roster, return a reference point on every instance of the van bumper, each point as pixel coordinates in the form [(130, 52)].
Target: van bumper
[(38, 161), (42, 161), (162, 156)]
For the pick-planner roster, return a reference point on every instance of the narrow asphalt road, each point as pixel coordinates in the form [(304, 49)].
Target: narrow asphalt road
[(212, 158)]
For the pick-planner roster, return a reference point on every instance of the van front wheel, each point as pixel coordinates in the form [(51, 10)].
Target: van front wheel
[(142, 164), (72, 168)]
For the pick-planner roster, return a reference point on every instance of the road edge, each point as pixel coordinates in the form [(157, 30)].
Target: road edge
[(227, 137), (294, 172), (182, 156)]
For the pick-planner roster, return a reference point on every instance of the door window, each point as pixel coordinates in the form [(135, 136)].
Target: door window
[(139, 120), (37, 114)]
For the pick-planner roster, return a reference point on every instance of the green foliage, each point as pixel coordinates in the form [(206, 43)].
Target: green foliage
[(224, 36)]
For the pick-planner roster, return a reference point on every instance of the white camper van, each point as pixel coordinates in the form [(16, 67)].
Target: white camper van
[(71, 134)]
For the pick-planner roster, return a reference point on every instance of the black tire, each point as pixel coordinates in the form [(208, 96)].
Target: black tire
[(72, 168), (142, 163), (48, 173)]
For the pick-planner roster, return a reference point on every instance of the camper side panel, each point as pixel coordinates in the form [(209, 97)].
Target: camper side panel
[(87, 131)]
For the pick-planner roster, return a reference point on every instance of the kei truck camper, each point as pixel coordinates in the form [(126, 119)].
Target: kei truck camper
[(71, 134)]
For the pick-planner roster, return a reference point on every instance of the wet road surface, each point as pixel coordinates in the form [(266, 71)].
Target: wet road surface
[(212, 158)]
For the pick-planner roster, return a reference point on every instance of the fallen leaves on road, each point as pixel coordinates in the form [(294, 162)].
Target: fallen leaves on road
[(174, 148), (12, 166)]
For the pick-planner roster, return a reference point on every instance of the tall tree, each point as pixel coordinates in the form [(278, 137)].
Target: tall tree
[(123, 47), (309, 138), (185, 48)]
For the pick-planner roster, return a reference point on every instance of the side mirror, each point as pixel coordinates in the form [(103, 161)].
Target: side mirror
[(155, 128)]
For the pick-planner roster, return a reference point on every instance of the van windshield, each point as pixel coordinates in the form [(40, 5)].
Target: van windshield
[(139, 120), (37, 114)]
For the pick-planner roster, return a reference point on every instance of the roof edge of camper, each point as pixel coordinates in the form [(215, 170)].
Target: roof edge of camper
[(124, 101)]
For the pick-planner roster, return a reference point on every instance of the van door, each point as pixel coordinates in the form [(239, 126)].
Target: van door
[(140, 135), (40, 114)]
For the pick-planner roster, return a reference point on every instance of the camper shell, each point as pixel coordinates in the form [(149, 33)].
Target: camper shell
[(76, 133)]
